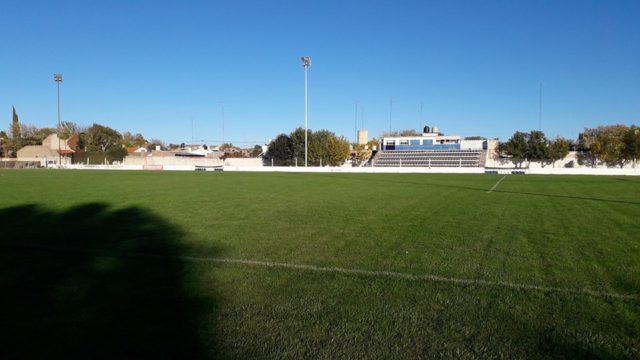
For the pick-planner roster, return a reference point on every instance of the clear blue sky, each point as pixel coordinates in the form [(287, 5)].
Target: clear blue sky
[(157, 66)]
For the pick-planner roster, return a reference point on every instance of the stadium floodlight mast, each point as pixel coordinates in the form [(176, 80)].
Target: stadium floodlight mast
[(306, 62), (58, 79)]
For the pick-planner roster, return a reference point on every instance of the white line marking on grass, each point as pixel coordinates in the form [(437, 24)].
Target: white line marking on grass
[(496, 184), (346, 271), (409, 276)]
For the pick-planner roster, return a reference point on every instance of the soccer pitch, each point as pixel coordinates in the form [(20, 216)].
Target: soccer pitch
[(114, 264)]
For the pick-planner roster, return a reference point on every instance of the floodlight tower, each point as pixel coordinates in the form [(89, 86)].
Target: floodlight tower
[(58, 79), (355, 125), (390, 113), (306, 62), (540, 109), (222, 115)]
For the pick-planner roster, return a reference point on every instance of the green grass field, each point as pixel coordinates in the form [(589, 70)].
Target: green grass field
[(127, 264)]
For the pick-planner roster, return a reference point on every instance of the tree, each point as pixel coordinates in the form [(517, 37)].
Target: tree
[(324, 147), (42, 134), (32, 135), (475, 138), (558, 149), (360, 154), (28, 131), (631, 141), (521, 147), (516, 148), (156, 142), (409, 132), (131, 140), (585, 142), (15, 126), (105, 142), (297, 144), (373, 142), (257, 150), (4, 144), (226, 146), (537, 146), (14, 143), (609, 146), (319, 147), (67, 129), (337, 150), (396, 133), (280, 150)]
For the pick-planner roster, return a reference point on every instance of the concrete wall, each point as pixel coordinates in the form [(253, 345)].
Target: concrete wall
[(493, 161), (243, 162), (45, 161), (365, 170), (103, 167), (369, 170), (441, 170), (9, 163), (171, 161), (131, 167)]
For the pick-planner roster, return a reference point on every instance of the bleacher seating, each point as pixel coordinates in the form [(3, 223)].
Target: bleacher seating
[(429, 158)]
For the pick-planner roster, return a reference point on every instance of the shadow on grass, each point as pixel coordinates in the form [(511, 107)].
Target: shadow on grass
[(73, 286)]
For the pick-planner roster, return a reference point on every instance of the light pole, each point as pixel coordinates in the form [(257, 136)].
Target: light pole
[(355, 126), (58, 79), (390, 113), (540, 109), (306, 62), (222, 114)]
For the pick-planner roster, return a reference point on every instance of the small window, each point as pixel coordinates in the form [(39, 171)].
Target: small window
[(404, 142), (391, 142)]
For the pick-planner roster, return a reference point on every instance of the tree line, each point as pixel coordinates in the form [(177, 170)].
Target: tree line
[(97, 144), (611, 145), (324, 148)]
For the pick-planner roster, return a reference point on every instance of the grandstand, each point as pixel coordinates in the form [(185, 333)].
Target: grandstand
[(431, 149), (429, 158)]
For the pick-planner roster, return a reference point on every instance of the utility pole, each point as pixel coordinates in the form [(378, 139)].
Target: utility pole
[(58, 79), (222, 114), (540, 109), (390, 112), (355, 124), (306, 62)]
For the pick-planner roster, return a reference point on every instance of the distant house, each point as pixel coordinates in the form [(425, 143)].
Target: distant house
[(50, 152), (232, 150), (137, 151), (197, 151)]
